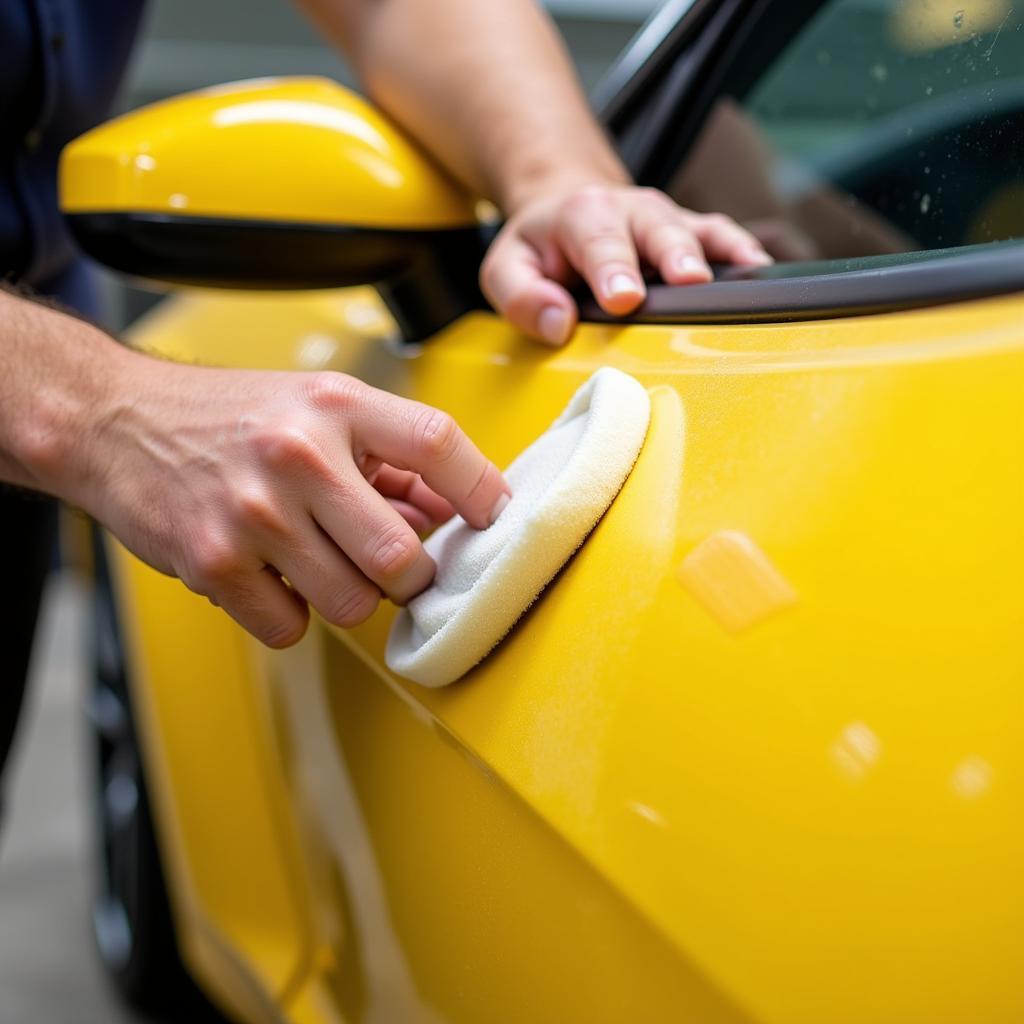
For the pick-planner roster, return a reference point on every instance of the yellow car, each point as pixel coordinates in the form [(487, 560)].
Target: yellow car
[(756, 753)]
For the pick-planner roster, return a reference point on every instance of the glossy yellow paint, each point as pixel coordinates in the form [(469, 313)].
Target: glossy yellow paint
[(640, 808), (289, 149), (225, 833)]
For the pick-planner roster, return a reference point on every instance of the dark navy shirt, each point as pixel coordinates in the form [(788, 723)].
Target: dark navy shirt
[(61, 62)]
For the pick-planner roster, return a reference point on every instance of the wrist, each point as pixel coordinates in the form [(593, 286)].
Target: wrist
[(60, 445), (546, 179)]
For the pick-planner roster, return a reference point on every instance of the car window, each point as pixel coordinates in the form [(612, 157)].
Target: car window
[(880, 126)]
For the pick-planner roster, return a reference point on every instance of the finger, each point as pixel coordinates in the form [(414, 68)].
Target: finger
[(325, 577), (513, 279), (265, 606), (726, 242), (667, 242), (374, 536), (410, 489), (415, 517), (409, 435), (596, 237)]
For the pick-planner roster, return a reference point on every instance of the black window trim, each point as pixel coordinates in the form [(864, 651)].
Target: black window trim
[(637, 70), (828, 289), (671, 96)]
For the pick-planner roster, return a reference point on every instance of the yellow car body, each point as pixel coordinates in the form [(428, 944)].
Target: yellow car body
[(754, 756)]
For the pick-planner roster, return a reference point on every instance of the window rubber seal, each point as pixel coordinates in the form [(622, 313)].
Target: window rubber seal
[(828, 289)]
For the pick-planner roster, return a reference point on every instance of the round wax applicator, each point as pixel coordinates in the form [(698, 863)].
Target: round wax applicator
[(561, 486)]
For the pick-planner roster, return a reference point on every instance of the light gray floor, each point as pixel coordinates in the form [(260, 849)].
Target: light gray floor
[(49, 971)]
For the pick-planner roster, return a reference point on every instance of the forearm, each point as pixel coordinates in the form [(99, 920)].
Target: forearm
[(497, 102), (237, 480), (57, 375)]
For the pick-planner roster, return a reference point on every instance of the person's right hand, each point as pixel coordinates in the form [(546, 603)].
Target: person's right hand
[(237, 481)]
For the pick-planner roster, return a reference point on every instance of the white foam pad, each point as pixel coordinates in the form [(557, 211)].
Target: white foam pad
[(561, 486)]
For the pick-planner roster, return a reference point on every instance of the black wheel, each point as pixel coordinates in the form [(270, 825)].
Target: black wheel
[(131, 915)]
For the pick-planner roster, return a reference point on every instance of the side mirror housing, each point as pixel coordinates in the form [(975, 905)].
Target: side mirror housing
[(276, 183)]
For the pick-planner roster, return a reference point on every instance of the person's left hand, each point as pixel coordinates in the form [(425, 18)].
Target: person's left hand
[(604, 234)]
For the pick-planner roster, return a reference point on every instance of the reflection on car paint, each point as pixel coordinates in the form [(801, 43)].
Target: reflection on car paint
[(735, 580)]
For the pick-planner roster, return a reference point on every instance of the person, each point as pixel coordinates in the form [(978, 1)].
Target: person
[(268, 492)]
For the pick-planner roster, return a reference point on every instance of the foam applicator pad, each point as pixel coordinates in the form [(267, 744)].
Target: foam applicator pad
[(561, 486)]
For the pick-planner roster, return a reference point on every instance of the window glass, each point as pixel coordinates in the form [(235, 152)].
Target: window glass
[(881, 126)]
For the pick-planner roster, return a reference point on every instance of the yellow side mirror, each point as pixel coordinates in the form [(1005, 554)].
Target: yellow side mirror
[(275, 183)]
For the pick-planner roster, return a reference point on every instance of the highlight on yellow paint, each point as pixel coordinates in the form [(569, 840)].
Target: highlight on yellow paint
[(856, 750), (972, 777), (237, 151), (735, 580)]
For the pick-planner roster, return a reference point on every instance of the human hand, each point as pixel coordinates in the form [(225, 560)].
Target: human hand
[(237, 481), (602, 233)]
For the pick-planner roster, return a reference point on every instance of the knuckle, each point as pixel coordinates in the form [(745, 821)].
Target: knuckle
[(393, 554), (520, 307), (603, 238), (214, 561), (606, 248), (288, 447), (665, 233), (587, 196), (257, 509), (719, 220), (333, 391), (278, 633), (653, 194), (353, 605), (436, 435), (489, 479), (285, 446)]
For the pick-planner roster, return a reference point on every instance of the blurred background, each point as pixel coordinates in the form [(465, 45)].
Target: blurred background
[(48, 969)]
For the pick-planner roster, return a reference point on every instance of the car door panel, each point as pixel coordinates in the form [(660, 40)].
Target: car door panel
[(754, 745)]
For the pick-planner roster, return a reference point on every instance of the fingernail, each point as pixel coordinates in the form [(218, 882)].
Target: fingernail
[(553, 324), (621, 284), (499, 507), (758, 257), (686, 264)]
